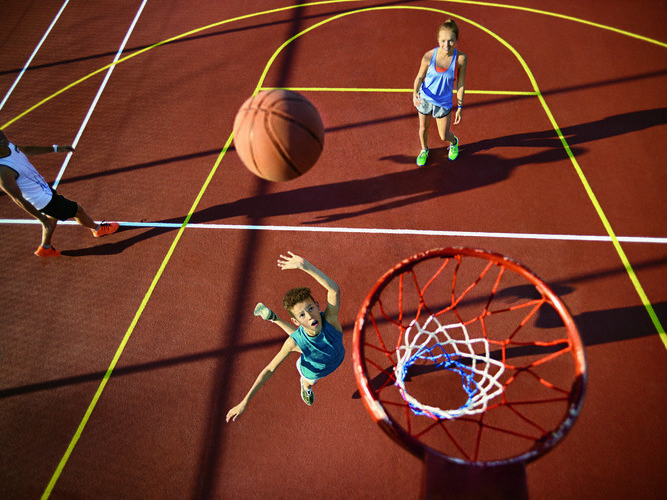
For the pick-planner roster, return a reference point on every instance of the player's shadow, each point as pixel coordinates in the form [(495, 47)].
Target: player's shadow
[(605, 128), (476, 167), (110, 247), (611, 126), (346, 199)]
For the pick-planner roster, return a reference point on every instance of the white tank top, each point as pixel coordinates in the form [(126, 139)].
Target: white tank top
[(32, 185)]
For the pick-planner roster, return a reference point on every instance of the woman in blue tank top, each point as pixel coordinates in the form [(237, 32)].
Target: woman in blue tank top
[(434, 87)]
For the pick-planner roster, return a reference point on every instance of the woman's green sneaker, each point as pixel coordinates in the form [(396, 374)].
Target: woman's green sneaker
[(421, 159), (454, 150)]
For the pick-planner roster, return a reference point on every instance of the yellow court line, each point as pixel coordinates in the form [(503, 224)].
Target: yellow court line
[(159, 44), (560, 16), (133, 324), (587, 187), (325, 2), (381, 90), (176, 240)]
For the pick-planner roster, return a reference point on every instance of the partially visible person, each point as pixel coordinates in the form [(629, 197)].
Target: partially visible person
[(433, 88), (21, 181)]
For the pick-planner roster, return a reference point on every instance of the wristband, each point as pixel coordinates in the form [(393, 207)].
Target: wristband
[(55, 148)]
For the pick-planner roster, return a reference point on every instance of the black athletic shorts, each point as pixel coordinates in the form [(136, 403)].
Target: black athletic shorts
[(60, 207)]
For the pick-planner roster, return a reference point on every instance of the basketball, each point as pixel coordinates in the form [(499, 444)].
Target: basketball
[(278, 134)]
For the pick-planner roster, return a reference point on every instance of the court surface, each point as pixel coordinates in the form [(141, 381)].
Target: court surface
[(120, 359)]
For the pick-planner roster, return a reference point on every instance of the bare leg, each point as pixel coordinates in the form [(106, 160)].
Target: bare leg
[(443, 128), (424, 125), (84, 219), (48, 228)]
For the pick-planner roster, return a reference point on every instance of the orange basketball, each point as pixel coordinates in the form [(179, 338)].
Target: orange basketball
[(278, 134)]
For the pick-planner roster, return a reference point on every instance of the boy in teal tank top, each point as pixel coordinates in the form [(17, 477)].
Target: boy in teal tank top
[(315, 334)]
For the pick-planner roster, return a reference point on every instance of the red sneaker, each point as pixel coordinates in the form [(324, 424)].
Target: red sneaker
[(47, 252), (105, 228)]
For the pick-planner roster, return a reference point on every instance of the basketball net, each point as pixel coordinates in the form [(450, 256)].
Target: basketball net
[(470, 358), (459, 312)]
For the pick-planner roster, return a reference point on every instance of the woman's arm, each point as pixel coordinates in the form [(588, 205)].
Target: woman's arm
[(460, 86), (421, 75)]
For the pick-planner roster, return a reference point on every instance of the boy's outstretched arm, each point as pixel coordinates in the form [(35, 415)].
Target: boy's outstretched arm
[(293, 261), (288, 347)]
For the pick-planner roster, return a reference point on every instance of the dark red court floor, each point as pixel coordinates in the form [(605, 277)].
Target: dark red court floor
[(120, 359)]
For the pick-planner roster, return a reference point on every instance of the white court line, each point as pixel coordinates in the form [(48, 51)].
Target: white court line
[(362, 230), (34, 52), (99, 93)]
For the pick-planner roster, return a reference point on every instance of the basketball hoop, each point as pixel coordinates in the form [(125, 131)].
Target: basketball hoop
[(473, 364)]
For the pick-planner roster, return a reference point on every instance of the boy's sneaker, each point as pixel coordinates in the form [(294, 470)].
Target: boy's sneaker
[(307, 395), (265, 313), (47, 252), (105, 228), (454, 150), (421, 159)]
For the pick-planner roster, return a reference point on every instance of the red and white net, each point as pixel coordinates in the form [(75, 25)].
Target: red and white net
[(449, 347)]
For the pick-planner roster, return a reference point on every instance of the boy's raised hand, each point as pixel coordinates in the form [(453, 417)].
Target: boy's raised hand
[(291, 261)]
